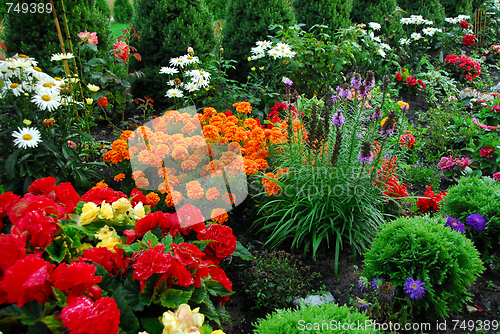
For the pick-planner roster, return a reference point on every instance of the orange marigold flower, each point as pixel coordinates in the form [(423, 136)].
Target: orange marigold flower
[(112, 157), (171, 115), (180, 153), (188, 128), (100, 184), (169, 201), (120, 145), (209, 111), (119, 177), (282, 171), (243, 107), (219, 216), (133, 150), (145, 157), (194, 190), (163, 188), (156, 162), (251, 167), (153, 198), (176, 197), (173, 181), (233, 119), (270, 187), (141, 182), (250, 123), (137, 174), (212, 194), (261, 163), (195, 157), (126, 134), (188, 164)]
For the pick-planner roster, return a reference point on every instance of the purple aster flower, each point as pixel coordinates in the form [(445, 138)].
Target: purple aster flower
[(338, 118), (356, 81), (363, 307), (366, 155), (386, 292), (335, 98), (415, 289), (476, 221), (376, 282), (455, 224)]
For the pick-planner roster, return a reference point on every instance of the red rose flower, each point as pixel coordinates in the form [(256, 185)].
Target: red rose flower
[(82, 316), (7, 201), (27, 280), (98, 195), (75, 279), (398, 77), (102, 102), (12, 249), (464, 24), (38, 226), (224, 244)]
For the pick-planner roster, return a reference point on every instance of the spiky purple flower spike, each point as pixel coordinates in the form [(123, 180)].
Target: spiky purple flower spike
[(356, 81), (369, 81)]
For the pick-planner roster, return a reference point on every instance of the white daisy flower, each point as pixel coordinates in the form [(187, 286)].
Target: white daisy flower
[(171, 83), (264, 44), (179, 61), (202, 83), (463, 17), (199, 74), (174, 92), (283, 46), (191, 87), (404, 41), (374, 25), (289, 54), (20, 63), (385, 46), (188, 59), (417, 19), (377, 39), (66, 100), (258, 50), (257, 56), (406, 20), (61, 56), (381, 52), (168, 70), (429, 22), (47, 101), (274, 53), (16, 89), (429, 31), (451, 20), (416, 36), (26, 137)]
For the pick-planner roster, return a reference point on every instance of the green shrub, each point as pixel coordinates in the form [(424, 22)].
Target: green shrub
[(102, 5), (326, 318), (123, 11), (167, 28), (453, 8), (424, 249), (429, 9), (332, 13), (366, 11), (275, 279), (39, 39), (476, 195), (248, 22), (218, 8)]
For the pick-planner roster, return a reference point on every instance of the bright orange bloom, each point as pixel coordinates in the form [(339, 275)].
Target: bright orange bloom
[(141, 182), (407, 140), (119, 177), (112, 157), (212, 194), (153, 197), (145, 157), (120, 145), (209, 112), (188, 164), (282, 171), (188, 128), (180, 153), (243, 107), (137, 174), (269, 186), (176, 197), (219, 216), (100, 184), (126, 134), (250, 123), (194, 190)]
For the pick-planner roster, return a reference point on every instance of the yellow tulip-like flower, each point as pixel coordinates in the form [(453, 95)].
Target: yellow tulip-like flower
[(122, 205), (218, 332), (110, 243), (93, 88), (139, 211), (106, 210), (89, 213), (89, 100), (104, 233)]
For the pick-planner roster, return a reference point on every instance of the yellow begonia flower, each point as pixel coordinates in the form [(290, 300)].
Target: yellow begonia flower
[(122, 205), (104, 233), (89, 213), (110, 243), (183, 320), (93, 88), (89, 100), (218, 332), (106, 210), (139, 212), (85, 246)]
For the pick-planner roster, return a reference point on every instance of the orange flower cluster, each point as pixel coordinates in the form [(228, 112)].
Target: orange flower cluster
[(243, 107), (219, 216), (119, 149), (270, 186), (387, 178)]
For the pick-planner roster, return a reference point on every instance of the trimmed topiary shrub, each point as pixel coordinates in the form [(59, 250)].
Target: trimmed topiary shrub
[(332, 13), (102, 5), (39, 38), (425, 250), (429, 9), (123, 11), (476, 195), (167, 28), (453, 8), (248, 22), (326, 318)]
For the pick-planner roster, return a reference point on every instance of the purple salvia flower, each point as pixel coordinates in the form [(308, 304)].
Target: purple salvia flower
[(356, 81), (455, 224), (369, 81), (366, 155), (415, 289), (363, 307), (476, 221), (344, 90), (362, 283), (338, 118)]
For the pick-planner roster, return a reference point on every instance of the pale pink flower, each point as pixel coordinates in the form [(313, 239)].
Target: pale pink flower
[(90, 38)]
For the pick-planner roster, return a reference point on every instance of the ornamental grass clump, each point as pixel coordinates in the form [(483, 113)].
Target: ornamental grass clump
[(474, 202), (429, 264)]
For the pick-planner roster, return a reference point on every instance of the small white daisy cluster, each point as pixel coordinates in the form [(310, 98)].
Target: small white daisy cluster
[(379, 45), (415, 19), (456, 20), (280, 50), (430, 31), (415, 36), (194, 79)]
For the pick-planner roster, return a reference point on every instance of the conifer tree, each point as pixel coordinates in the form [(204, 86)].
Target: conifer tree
[(332, 13), (123, 11)]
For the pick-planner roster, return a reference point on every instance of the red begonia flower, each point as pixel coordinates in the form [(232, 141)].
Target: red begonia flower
[(31, 203), (97, 195), (220, 276), (82, 316), (152, 261), (224, 244), (75, 279), (7, 201), (42, 186), (12, 249), (39, 227), (110, 261), (138, 196)]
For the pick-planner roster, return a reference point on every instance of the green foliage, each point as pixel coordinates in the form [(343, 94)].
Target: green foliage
[(274, 279), (102, 5), (218, 8), (453, 8), (246, 23), (39, 38), (167, 28), (123, 11), (476, 195), (366, 11), (324, 318), (430, 9), (424, 248), (332, 13), (419, 174)]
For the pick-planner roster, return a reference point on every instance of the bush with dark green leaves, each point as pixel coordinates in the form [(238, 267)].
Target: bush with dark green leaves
[(476, 195), (274, 279), (248, 22), (123, 11), (218, 8), (39, 38), (102, 5), (365, 11), (429, 9), (332, 13), (453, 8), (325, 318), (423, 248), (167, 28)]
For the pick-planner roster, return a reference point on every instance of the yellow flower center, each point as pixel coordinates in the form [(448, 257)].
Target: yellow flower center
[(190, 57), (14, 85), (23, 56), (201, 73), (57, 78), (46, 98), (38, 69), (27, 137), (47, 84)]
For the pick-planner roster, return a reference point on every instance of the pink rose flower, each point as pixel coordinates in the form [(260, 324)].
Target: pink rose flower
[(121, 50), (90, 38)]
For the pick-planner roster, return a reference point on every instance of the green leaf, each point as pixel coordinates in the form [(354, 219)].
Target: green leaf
[(13, 311), (242, 252), (173, 298), (209, 310), (95, 61), (11, 163), (199, 294), (108, 282), (217, 289), (128, 320), (131, 290), (223, 313), (52, 323), (166, 241), (132, 248), (126, 84), (150, 237), (59, 249), (149, 289), (60, 297), (152, 325), (33, 311)]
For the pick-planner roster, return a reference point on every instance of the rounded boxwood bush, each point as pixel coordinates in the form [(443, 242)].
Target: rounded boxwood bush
[(423, 248), (332, 13), (123, 11), (326, 318), (473, 195), (102, 6)]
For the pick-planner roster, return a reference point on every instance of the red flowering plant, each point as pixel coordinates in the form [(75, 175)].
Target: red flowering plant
[(407, 81), (486, 151), (89, 264), (431, 202), (464, 67)]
